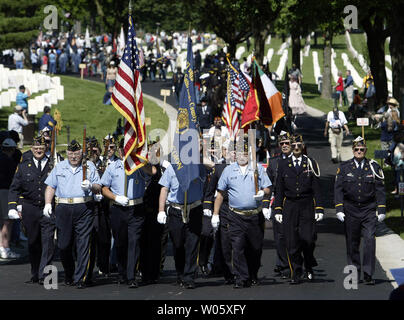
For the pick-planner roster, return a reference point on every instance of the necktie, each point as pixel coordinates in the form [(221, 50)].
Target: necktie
[(297, 166), (39, 167)]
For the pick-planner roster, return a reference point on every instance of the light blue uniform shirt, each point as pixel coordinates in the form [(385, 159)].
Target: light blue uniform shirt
[(67, 183), (114, 179), (241, 188), (176, 194)]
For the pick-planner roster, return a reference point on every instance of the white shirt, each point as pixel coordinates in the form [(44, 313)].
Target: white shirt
[(361, 163), (336, 123), (19, 56), (42, 163), (298, 159), (16, 122), (224, 132)]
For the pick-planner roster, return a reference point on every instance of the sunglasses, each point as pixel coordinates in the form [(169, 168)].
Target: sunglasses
[(111, 147), (359, 149), (297, 145), (284, 143)]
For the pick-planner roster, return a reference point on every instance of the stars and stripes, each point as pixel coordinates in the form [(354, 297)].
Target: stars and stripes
[(239, 88), (230, 111), (127, 98)]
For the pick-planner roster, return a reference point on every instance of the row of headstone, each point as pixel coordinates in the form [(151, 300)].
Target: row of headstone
[(284, 46), (357, 56), (239, 52), (334, 69), (306, 49), (282, 63)]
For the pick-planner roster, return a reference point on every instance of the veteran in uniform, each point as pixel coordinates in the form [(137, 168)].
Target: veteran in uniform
[(246, 222), (127, 215), (74, 211), (184, 222), (28, 190), (360, 202), (281, 264), (298, 207), (222, 235)]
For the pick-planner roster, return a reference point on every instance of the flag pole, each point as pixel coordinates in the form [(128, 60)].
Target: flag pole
[(124, 169)]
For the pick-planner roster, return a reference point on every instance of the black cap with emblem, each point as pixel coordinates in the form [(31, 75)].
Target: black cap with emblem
[(39, 141), (74, 146)]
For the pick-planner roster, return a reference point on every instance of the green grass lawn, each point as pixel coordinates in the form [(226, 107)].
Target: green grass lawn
[(83, 106)]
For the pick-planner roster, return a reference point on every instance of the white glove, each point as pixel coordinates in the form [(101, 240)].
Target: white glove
[(47, 211), (19, 208), (86, 185), (340, 216), (13, 214), (215, 222), (207, 212), (380, 217), (162, 217), (122, 200), (259, 196), (98, 197), (319, 216), (278, 217), (267, 213)]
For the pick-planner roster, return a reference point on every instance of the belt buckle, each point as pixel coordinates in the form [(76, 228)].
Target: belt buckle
[(70, 200)]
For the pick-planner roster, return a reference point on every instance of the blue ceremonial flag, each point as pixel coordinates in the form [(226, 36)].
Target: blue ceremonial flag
[(185, 156)]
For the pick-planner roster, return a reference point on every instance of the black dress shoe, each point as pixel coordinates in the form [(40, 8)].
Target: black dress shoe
[(367, 279), (80, 285), (278, 270), (309, 275), (228, 281), (121, 280), (68, 282), (285, 274), (40, 282), (255, 282), (32, 281), (190, 285), (242, 284), (295, 280), (205, 271), (133, 284)]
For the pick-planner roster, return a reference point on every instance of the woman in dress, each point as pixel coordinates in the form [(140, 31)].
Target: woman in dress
[(296, 102), (112, 72)]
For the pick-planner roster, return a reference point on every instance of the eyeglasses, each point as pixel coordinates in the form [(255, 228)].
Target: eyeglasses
[(359, 149), (111, 147), (284, 143), (297, 145)]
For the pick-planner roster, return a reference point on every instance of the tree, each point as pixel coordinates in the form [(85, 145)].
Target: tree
[(228, 19), (20, 22), (262, 15), (396, 46), (372, 18)]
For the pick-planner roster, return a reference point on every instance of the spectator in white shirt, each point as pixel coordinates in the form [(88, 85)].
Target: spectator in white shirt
[(19, 59), (16, 121), (336, 121)]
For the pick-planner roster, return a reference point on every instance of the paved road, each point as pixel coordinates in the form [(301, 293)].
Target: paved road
[(330, 254)]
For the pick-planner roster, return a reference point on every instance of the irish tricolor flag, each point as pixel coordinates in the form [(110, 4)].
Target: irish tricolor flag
[(264, 101)]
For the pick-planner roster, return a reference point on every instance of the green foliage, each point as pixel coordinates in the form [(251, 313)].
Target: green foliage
[(20, 22)]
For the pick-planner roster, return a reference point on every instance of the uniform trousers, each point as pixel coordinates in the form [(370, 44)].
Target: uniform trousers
[(299, 228), (223, 242), (361, 222), (247, 236), (185, 239), (206, 241), (280, 245), (74, 224), (150, 247), (127, 223), (40, 233), (100, 238)]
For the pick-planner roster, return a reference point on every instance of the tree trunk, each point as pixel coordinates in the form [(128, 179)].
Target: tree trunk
[(232, 48), (376, 38), (259, 44), (296, 47), (397, 57), (326, 84)]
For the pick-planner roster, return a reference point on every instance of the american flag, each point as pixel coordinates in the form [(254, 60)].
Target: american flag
[(239, 88), (230, 114), (127, 98)]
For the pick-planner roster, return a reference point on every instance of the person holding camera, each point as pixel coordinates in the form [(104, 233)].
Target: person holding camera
[(336, 121)]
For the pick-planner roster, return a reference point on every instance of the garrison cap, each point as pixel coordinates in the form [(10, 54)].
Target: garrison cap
[(359, 141), (296, 138), (74, 146), (39, 141), (283, 135)]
